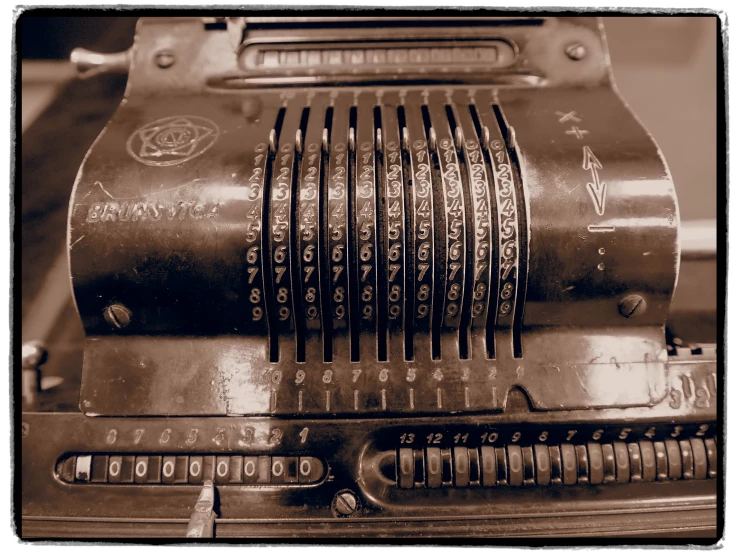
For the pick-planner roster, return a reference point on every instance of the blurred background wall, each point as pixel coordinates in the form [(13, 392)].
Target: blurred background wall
[(665, 67)]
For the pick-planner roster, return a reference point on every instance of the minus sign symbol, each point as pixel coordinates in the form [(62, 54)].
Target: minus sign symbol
[(601, 228)]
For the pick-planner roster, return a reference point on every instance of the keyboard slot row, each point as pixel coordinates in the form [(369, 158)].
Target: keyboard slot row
[(389, 230)]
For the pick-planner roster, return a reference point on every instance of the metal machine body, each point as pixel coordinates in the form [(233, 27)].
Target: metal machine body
[(376, 278)]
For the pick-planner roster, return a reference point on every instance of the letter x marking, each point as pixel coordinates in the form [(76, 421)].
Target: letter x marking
[(570, 116)]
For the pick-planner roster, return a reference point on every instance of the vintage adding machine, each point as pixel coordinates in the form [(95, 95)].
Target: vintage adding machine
[(375, 278)]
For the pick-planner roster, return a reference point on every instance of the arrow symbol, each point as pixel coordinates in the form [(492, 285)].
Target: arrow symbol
[(596, 189)]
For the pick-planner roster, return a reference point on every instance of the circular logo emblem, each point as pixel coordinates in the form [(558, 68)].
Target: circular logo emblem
[(172, 140)]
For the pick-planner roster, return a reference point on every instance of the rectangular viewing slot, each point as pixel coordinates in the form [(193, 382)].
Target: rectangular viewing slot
[(369, 56)]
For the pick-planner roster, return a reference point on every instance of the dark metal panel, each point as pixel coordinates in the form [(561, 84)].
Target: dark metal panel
[(601, 204)]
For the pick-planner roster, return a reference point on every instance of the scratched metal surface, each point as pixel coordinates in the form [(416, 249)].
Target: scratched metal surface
[(50, 157), (158, 228)]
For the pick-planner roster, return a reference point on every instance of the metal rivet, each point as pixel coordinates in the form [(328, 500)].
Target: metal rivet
[(576, 51), (164, 58), (345, 503), (251, 108), (632, 305), (117, 315)]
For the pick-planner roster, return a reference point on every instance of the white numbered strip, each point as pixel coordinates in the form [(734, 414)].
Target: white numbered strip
[(395, 230), (455, 218), (422, 218), (280, 222), (194, 469), (309, 230), (507, 215), (253, 236), (337, 218), (365, 229), (482, 247)]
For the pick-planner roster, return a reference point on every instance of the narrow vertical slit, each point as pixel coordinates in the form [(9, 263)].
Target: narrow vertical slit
[(295, 263), (476, 122), (426, 119), (326, 313), (523, 254), (304, 120), (494, 270), (439, 238), (381, 234), (451, 118), (274, 352), (279, 122), (353, 283), (467, 299), (411, 270)]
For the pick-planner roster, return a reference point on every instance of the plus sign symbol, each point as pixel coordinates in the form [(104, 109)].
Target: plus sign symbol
[(576, 131)]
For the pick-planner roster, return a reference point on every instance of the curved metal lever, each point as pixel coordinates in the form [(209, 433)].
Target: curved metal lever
[(203, 517)]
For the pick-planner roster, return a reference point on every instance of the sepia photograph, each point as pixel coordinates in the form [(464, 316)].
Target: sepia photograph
[(369, 276)]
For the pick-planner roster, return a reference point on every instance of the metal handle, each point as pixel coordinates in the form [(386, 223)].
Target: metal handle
[(33, 356), (203, 517), (90, 63)]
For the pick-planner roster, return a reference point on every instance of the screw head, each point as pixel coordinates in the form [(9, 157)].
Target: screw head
[(164, 58), (575, 51), (632, 306), (345, 503), (117, 316), (251, 108)]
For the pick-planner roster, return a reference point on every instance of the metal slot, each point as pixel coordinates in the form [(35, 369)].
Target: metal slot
[(351, 234), (337, 232), (306, 233), (281, 256), (274, 354), (326, 307), (381, 232), (489, 301), (439, 233), (523, 248), (469, 233)]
